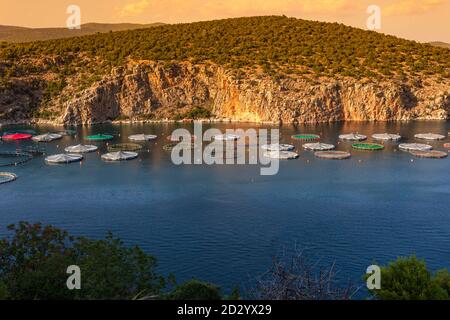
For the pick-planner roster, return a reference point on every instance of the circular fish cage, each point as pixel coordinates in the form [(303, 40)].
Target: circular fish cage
[(306, 137), (367, 146), (48, 137), (318, 146), (32, 150), (16, 136), (80, 148), (9, 159), (281, 155), (332, 155), (172, 138), (63, 158), (6, 177), (353, 137), (430, 154), (277, 147), (124, 147), (100, 137), (429, 136), (142, 137), (226, 137), (386, 136), (119, 156), (415, 147), (68, 133), (170, 146), (447, 145)]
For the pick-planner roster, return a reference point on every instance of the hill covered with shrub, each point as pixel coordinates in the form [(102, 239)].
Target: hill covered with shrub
[(275, 44)]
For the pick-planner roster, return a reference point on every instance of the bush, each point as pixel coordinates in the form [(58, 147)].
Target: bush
[(196, 290), (409, 279)]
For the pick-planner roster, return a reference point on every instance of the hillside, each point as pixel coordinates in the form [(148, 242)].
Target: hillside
[(21, 34), (260, 69), (440, 44)]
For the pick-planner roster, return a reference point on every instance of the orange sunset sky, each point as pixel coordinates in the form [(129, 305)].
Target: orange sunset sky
[(421, 20)]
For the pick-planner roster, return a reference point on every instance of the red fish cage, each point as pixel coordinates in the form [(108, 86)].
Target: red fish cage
[(17, 136)]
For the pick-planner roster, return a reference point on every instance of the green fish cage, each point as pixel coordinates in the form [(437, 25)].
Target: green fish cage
[(306, 137), (368, 146)]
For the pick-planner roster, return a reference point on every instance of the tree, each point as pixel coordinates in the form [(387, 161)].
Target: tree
[(196, 290), (33, 264), (409, 279)]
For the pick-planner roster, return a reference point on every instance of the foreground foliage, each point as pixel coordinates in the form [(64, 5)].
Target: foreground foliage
[(409, 279), (34, 261)]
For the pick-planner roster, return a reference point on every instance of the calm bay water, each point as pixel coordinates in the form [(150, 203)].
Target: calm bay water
[(224, 224)]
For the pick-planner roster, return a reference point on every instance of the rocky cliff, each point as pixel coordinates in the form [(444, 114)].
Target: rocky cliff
[(148, 90)]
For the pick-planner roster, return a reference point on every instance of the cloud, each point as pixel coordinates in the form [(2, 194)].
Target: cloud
[(135, 8), (405, 7)]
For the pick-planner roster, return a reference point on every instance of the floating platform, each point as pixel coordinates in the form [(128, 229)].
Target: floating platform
[(306, 137), (48, 137), (367, 146), (63, 158), (80, 148), (429, 136), (10, 159), (332, 155), (124, 147), (318, 146), (120, 156), (430, 154), (386, 136), (179, 139), (353, 137), (277, 147), (142, 137), (68, 133), (6, 177), (17, 136), (170, 146), (415, 147), (226, 137), (100, 137), (281, 155)]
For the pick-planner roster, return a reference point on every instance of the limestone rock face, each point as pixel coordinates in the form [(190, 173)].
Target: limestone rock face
[(149, 90)]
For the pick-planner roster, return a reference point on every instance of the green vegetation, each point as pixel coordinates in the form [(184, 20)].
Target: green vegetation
[(195, 290), (409, 279), (275, 45), (34, 261)]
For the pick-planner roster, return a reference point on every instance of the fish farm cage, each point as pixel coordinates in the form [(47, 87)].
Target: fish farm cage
[(119, 156), (281, 155), (415, 147), (100, 137), (332, 155), (429, 136), (430, 154), (387, 136), (142, 137), (170, 146), (318, 146), (353, 137), (306, 137), (124, 147), (6, 177), (367, 146), (63, 158), (11, 159), (277, 147), (81, 149)]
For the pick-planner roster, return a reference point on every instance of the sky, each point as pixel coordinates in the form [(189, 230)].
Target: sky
[(420, 20)]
